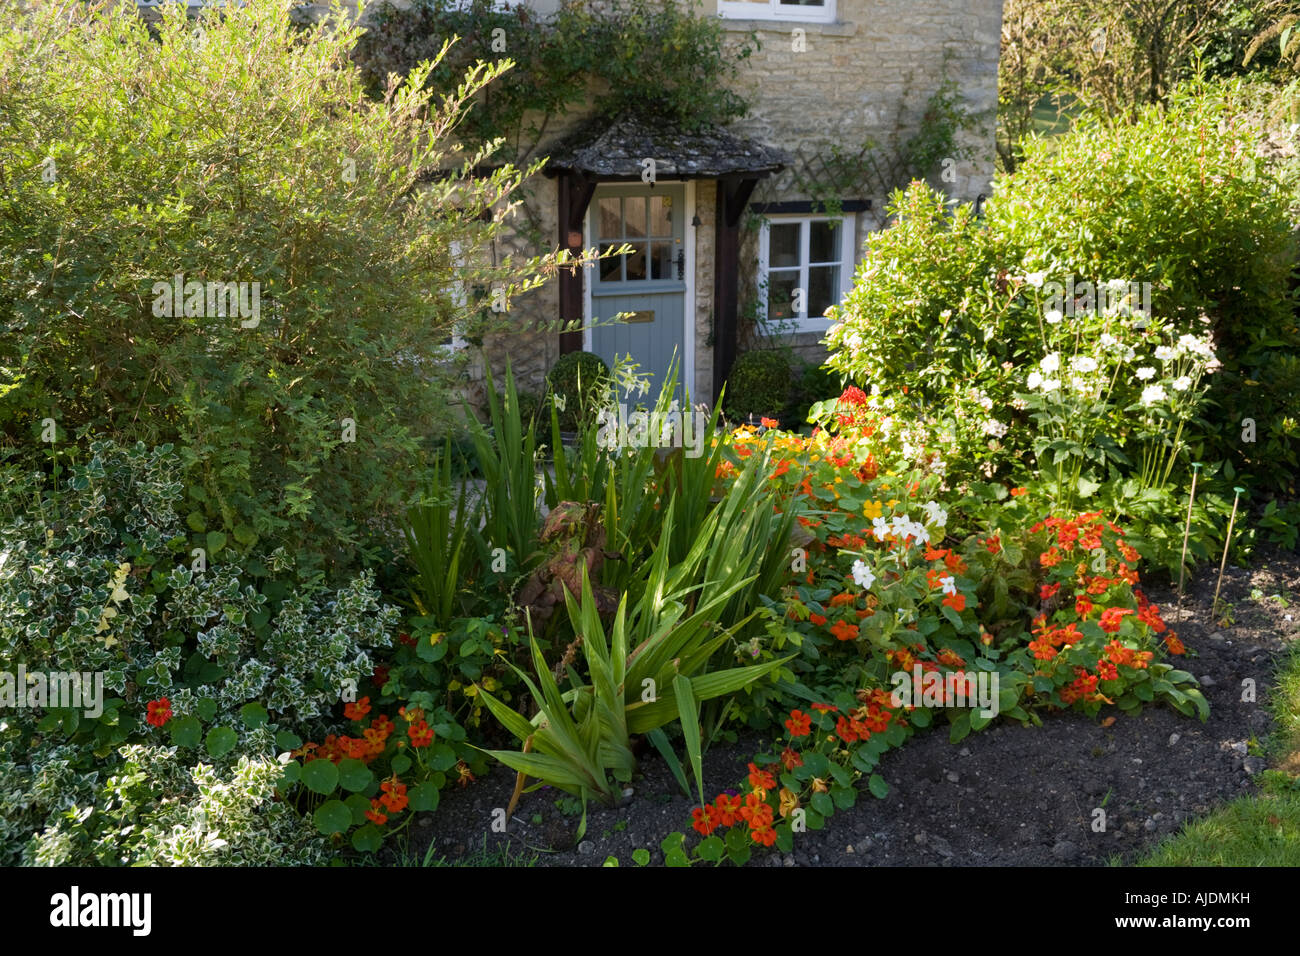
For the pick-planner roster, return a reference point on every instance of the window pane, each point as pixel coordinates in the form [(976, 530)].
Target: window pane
[(611, 269), (661, 260), (801, 3), (823, 289), (783, 245), (634, 217), (661, 216), (780, 294), (609, 218), (824, 241), (636, 262)]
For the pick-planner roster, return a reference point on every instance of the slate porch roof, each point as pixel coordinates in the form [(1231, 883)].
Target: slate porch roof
[(607, 149)]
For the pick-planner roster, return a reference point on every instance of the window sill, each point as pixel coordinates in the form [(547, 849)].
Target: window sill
[(836, 28)]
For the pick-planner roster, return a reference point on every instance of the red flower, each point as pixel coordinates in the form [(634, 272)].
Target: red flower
[(376, 814), (763, 834), (728, 808), (1111, 618), (705, 819), (799, 724), (159, 711), (380, 677), (1083, 605), (790, 759), (1107, 670), (956, 601), (846, 730), (421, 734), (817, 619), (394, 798), (355, 711), (853, 396), (844, 631), (1048, 591), (1174, 644), (760, 779), (825, 709), (1017, 492), (769, 423)]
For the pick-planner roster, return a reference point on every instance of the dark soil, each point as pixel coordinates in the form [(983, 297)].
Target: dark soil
[(1009, 795)]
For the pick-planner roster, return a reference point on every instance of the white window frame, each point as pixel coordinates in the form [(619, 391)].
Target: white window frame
[(847, 262), (776, 10)]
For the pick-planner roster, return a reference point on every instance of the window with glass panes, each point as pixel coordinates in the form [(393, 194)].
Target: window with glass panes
[(646, 224), (809, 11), (805, 266)]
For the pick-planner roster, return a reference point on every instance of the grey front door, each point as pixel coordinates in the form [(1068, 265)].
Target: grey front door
[(649, 282)]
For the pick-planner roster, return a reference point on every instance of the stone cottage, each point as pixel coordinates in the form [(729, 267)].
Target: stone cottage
[(763, 220), (749, 233)]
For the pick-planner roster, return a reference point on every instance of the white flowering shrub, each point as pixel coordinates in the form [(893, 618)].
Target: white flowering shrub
[(95, 579)]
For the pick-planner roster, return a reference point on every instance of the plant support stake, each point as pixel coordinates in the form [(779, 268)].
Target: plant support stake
[(1236, 496), (1187, 527)]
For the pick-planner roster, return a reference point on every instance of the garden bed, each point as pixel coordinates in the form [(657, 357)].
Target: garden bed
[(1010, 795)]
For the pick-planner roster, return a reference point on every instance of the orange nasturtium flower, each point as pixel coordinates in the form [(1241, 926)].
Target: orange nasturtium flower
[(799, 724), (760, 779), (844, 631), (789, 802), (355, 711)]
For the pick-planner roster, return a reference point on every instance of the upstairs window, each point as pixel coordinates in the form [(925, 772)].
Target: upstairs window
[(805, 11)]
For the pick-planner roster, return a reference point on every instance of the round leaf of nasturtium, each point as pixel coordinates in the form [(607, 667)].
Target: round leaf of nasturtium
[(254, 715), (878, 786), (288, 740), (423, 797), (186, 731), (220, 741), (641, 857), (331, 816), (442, 757), (711, 849), (401, 763), (292, 770), (353, 774), (367, 839), (320, 776), (358, 805)]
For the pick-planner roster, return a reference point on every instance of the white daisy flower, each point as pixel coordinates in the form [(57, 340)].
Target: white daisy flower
[(1083, 363), (1051, 384), (1053, 317), (1034, 380), (1164, 353), (1036, 279), (1050, 363), (1182, 383), (1145, 373), (1108, 341), (1152, 394)]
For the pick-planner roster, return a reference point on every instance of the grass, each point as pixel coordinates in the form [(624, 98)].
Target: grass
[(500, 856), (1261, 830)]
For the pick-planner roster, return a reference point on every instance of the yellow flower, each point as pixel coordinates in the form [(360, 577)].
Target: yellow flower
[(891, 503), (871, 509), (789, 802)]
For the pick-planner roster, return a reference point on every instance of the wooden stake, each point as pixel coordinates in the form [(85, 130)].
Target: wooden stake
[(1187, 527), (1226, 543)]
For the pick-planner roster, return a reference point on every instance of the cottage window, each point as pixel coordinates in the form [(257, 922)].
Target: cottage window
[(805, 265), (806, 11)]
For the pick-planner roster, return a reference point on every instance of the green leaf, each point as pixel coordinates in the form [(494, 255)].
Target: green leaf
[(255, 716), (185, 731), (442, 757), (641, 857), (688, 712), (220, 741), (367, 839), (320, 776), (822, 803), (332, 816), (424, 796), (711, 849), (215, 542), (878, 786), (401, 763), (353, 774), (287, 740)]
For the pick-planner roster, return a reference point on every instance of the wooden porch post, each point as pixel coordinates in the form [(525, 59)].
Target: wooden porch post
[(733, 195), (574, 193)]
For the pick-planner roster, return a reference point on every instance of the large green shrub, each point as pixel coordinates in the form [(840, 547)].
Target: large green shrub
[(760, 383), (578, 383), (243, 152), (1176, 199)]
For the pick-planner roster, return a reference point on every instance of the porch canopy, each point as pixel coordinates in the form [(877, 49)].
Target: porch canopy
[(615, 150)]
